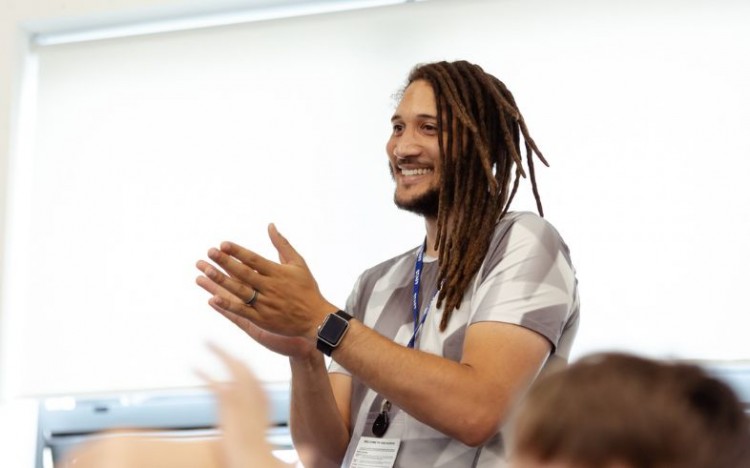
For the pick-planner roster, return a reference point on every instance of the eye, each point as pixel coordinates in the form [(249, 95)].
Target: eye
[(430, 128), (398, 128)]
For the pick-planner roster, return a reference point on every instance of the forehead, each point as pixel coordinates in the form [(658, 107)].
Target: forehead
[(418, 99)]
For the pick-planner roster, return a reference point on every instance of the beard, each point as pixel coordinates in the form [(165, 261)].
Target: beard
[(425, 204)]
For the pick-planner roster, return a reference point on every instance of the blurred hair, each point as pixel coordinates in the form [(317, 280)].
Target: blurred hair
[(644, 413)]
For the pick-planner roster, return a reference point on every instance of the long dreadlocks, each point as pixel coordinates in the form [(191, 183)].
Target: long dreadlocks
[(479, 128)]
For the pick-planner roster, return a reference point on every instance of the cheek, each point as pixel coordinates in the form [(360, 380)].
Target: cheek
[(389, 145)]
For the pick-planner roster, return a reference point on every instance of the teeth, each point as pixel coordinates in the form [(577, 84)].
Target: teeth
[(415, 172)]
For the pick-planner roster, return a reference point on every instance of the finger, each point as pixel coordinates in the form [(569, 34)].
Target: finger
[(282, 259), (239, 372), (239, 289), (230, 361), (212, 383), (217, 385), (286, 252), (222, 390), (221, 299), (242, 322), (236, 268), (248, 258)]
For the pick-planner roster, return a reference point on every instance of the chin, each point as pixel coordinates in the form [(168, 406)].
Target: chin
[(424, 203), (413, 192)]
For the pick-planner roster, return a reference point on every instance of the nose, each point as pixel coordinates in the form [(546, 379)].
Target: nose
[(406, 146)]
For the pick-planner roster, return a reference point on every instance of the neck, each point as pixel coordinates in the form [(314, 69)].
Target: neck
[(431, 228)]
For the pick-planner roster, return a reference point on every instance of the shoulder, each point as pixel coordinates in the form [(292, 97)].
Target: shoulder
[(526, 228), (527, 220), (524, 237)]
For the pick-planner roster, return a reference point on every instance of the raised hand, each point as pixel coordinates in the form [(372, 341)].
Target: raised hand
[(278, 298), (243, 416)]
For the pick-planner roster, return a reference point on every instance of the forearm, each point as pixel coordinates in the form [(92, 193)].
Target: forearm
[(318, 429), (472, 400)]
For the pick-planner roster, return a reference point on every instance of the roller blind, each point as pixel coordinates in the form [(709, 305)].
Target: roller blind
[(148, 150)]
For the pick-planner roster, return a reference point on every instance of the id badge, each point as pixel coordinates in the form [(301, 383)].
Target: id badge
[(375, 452)]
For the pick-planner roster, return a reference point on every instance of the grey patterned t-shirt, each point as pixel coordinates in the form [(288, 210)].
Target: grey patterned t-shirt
[(526, 279)]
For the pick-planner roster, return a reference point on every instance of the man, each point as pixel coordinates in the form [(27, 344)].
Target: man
[(445, 337)]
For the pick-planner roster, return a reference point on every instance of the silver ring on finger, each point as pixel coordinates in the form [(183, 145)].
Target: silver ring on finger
[(251, 302)]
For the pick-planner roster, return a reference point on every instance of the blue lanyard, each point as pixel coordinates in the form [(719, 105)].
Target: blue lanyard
[(415, 296)]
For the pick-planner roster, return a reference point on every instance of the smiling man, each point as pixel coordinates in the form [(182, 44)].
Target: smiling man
[(414, 157), (434, 346)]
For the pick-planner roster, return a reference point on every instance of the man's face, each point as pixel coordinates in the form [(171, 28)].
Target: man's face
[(413, 151)]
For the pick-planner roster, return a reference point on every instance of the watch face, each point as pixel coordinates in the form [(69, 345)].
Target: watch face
[(333, 329)]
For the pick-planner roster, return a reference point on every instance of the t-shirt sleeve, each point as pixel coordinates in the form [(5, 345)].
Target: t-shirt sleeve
[(527, 279)]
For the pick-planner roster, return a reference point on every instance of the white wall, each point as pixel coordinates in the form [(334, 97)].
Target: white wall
[(641, 109), (14, 32)]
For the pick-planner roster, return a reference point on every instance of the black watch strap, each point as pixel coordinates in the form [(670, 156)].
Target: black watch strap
[(332, 331)]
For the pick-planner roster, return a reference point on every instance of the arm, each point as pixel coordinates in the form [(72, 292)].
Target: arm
[(472, 397), (129, 450), (320, 437), (319, 415)]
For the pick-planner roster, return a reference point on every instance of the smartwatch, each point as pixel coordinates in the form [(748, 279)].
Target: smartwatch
[(332, 331)]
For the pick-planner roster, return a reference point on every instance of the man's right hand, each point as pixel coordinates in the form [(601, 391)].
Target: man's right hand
[(293, 347)]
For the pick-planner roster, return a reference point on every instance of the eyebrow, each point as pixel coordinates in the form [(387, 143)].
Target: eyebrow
[(419, 116)]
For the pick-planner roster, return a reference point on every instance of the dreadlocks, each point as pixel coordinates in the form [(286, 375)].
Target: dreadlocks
[(478, 136)]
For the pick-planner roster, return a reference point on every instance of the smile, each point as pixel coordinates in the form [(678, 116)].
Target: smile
[(415, 172)]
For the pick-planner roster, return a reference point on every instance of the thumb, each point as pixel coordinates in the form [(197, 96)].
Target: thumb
[(287, 254)]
